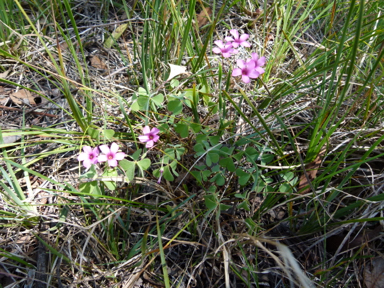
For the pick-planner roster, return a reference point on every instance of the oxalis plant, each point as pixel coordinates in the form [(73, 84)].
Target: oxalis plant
[(216, 159)]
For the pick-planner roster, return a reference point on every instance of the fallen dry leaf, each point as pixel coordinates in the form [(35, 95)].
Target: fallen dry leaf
[(257, 12), (3, 100), (204, 16), (176, 70), (374, 275), (4, 96), (11, 139), (97, 63), (4, 74), (23, 96), (23, 239), (310, 173), (362, 238)]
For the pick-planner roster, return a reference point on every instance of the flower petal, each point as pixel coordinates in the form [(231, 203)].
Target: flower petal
[(120, 156), (146, 130), (114, 147), (229, 39), (112, 162), (245, 79), (235, 33), (244, 37), (251, 64), (95, 151), (245, 44), (143, 138), (155, 138), (219, 43), (82, 156), (104, 149), (235, 44), (226, 54), (87, 149), (155, 130), (216, 50), (261, 61), (255, 56), (241, 63), (260, 70), (87, 163), (236, 72), (253, 74), (150, 144)]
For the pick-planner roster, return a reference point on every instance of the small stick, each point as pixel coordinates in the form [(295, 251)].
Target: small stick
[(34, 112)]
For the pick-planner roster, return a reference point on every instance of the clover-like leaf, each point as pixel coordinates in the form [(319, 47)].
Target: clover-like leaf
[(175, 106), (111, 185), (266, 158), (244, 205), (224, 207), (218, 179), (214, 140), (197, 175), (167, 174), (210, 201), (92, 188), (109, 133), (214, 157), (182, 129), (206, 174), (144, 163), (129, 168), (196, 127), (158, 99), (243, 176), (90, 174), (228, 164), (174, 83)]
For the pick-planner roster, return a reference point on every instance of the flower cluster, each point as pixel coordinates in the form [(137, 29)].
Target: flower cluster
[(248, 69), (227, 49), (109, 154)]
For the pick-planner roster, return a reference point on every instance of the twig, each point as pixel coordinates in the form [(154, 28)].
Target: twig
[(28, 111), (118, 22)]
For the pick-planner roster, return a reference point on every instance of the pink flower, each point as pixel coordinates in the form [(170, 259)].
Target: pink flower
[(258, 62), (247, 70), (110, 154), (226, 49), (89, 156), (238, 40), (150, 136)]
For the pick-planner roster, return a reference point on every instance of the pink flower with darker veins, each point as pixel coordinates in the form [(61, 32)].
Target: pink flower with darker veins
[(247, 70), (225, 49), (89, 156), (149, 137), (110, 154), (238, 40)]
